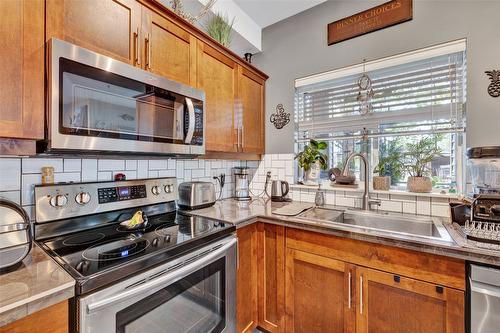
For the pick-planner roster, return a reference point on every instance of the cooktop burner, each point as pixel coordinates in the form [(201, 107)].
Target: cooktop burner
[(87, 253)]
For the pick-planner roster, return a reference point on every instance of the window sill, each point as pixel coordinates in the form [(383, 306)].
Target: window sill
[(327, 187)]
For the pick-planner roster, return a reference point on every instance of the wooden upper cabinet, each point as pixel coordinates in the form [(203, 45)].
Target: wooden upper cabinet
[(22, 69), (169, 50), (251, 96), (271, 284), (246, 279), (217, 75), (392, 303), (109, 27), (318, 294)]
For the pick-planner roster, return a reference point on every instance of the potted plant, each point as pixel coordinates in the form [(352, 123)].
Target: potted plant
[(417, 158), (311, 160), (389, 169), (219, 28)]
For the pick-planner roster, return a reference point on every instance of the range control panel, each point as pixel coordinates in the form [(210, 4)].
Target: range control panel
[(68, 200), (112, 194)]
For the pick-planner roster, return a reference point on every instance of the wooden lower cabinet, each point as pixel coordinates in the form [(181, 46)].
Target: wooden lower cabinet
[(318, 294), (246, 279), (298, 281), (53, 319), (271, 274), (392, 303)]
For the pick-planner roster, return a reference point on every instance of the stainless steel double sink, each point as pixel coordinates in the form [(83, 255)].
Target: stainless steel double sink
[(395, 224)]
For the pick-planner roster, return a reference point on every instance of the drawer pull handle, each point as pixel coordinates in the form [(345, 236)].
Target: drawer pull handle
[(439, 289), (397, 278)]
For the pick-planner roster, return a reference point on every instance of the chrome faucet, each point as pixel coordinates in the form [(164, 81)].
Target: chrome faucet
[(367, 201)]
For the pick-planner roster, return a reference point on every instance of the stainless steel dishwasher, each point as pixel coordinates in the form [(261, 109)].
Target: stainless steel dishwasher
[(484, 299)]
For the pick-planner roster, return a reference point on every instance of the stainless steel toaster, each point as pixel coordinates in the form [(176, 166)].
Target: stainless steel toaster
[(195, 195), (15, 234)]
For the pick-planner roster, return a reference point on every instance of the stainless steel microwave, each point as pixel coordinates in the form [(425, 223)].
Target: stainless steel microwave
[(100, 105)]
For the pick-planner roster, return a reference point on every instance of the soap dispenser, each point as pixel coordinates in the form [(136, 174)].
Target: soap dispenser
[(319, 200)]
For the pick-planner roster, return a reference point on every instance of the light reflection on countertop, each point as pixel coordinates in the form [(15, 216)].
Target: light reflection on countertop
[(38, 283)]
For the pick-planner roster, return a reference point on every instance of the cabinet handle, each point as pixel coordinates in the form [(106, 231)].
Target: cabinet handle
[(136, 48), (148, 52), (242, 137), (349, 283), (361, 294)]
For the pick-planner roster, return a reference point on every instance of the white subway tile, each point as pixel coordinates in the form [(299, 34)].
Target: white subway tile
[(216, 164), (72, 165), (158, 164), (344, 201), (440, 210), (131, 165), (201, 164), (171, 164), (440, 200), (329, 198), (110, 165), (391, 206), (89, 170), (423, 206), (67, 177), (191, 164), (34, 165), (166, 173), (28, 184), (10, 174), (104, 176), (187, 175), (153, 174), (278, 164), (409, 207), (142, 169), (198, 173), (14, 196)]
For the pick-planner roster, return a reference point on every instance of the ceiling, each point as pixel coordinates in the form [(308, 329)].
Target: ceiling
[(267, 12)]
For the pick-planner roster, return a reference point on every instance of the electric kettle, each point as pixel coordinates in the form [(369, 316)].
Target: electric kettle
[(279, 190)]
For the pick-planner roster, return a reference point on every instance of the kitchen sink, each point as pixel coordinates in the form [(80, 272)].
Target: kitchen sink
[(391, 223)]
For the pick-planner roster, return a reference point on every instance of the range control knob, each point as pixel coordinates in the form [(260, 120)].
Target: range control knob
[(82, 198), (167, 239), (168, 188), (58, 200), (155, 242), (155, 190), (82, 266)]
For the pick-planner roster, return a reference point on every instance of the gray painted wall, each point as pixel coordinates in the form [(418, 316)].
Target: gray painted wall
[(297, 47)]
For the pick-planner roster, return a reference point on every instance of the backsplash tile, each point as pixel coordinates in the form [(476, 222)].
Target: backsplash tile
[(10, 173)]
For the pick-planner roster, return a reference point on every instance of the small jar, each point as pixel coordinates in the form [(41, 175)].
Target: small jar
[(48, 175), (319, 200)]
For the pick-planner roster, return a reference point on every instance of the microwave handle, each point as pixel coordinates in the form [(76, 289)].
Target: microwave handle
[(166, 278), (191, 121)]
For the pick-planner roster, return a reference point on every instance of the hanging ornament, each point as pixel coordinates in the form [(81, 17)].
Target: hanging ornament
[(365, 93), (280, 118)]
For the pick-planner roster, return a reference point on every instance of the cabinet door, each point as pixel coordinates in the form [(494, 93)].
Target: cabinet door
[(21, 69), (318, 294), (109, 27), (246, 283), (271, 284), (169, 50), (251, 93), (392, 303), (217, 76)]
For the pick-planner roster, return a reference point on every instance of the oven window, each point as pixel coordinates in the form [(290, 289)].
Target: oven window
[(195, 303), (94, 102)]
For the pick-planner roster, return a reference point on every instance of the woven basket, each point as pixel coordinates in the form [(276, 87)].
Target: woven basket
[(419, 184), (381, 183)]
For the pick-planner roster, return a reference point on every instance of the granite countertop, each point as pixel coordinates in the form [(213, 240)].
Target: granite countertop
[(38, 283), (242, 213)]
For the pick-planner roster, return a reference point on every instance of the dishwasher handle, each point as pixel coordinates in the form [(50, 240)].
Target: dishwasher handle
[(485, 288)]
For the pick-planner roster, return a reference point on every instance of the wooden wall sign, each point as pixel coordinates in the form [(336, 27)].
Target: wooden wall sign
[(376, 18)]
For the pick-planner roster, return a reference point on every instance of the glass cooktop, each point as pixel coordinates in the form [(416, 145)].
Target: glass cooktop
[(106, 249)]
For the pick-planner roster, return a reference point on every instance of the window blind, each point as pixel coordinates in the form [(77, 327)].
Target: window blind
[(416, 97)]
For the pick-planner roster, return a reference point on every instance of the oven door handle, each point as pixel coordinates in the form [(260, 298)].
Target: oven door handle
[(168, 277), (191, 121), (486, 289)]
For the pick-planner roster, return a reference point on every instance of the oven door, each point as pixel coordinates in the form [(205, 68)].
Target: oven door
[(195, 293), (104, 105)]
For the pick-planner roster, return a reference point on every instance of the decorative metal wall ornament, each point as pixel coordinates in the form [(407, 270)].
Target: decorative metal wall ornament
[(178, 8), (280, 118), (494, 87), (365, 93)]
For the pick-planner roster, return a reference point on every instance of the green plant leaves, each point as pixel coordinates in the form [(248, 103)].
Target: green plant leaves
[(312, 154)]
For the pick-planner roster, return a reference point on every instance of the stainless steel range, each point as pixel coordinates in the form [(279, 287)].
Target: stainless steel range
[(139, 265)]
